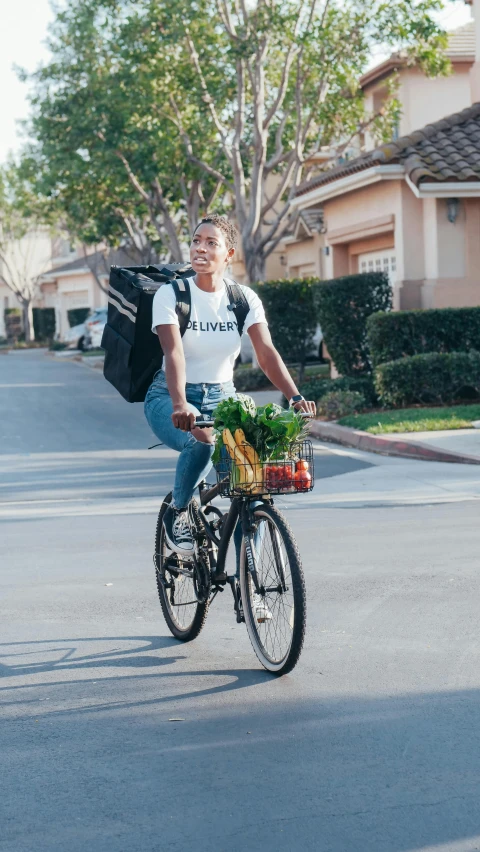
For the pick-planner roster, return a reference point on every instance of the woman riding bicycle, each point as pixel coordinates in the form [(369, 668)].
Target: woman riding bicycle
[(197, 370)]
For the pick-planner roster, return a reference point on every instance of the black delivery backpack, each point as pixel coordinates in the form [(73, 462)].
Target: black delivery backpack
[(132, 353)]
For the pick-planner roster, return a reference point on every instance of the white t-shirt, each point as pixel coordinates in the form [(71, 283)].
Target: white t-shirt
[(211, 342)]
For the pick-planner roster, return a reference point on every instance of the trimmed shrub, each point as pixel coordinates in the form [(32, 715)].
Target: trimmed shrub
[(434, 377), (339, 404), (249, 379), (344, 305), (44, 323), (292, 316), (393, 335), (77, 315), (316, 389)]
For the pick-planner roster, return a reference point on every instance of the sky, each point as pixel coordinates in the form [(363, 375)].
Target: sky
[(23, 31)]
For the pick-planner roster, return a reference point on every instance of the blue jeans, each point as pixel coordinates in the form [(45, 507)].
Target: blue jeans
[(195, 460)]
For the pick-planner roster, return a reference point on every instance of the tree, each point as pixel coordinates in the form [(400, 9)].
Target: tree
[(157, 109), (25, 249)]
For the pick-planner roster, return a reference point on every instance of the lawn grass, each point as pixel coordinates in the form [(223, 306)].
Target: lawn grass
[(413, 419)]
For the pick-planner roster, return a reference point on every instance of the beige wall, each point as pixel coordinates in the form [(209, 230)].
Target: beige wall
[(423, 99), (438, 262), (74, 290)]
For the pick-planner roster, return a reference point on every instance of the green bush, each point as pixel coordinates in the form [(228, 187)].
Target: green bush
[(44, 323), (393, 335), (77, 315), (318, 388), (344, 305), (57, 346), (340, 404), (434, 377), (249, 379), (291, 312)]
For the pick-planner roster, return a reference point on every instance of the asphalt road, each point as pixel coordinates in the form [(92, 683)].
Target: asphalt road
[(370, 745)]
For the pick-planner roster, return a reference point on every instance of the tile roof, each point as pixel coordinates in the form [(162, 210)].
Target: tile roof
[(460, 47), (461, 42), (447, 150), (119, 257)]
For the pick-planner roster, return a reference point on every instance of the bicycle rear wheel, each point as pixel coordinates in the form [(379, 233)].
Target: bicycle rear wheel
[(278, 639), (184, 615)]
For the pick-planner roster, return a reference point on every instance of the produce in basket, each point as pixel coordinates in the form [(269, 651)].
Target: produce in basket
[(254, 437), (269, 429)]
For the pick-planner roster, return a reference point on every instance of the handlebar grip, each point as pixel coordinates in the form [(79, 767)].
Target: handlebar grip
[(203, 422)]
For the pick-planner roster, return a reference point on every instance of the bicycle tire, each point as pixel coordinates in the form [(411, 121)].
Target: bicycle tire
[(199, 611), (261, 637)]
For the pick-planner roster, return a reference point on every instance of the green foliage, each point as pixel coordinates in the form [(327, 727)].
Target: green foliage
[(13, 312), (344, 305), (316, 389), (292, 317), (269, 429), (394, 335), (433, 377), (148, 112), (77, 315), (340, 403), (44, 323), (250, 379), (57, 346)]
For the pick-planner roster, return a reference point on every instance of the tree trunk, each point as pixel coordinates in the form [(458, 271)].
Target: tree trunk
[(254, 264), (28, 321)]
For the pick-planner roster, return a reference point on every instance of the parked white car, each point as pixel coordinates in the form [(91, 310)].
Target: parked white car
[(75, 337), (94, 326)]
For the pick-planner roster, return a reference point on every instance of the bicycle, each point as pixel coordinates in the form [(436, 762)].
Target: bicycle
[(271, 580)]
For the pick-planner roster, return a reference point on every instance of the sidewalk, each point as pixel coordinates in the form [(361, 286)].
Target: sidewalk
[(464, 441)]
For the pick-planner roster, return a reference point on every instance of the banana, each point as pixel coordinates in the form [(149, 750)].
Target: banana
[(229, 442), (252, 457), (245, 472)]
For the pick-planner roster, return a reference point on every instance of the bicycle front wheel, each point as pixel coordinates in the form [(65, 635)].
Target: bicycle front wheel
[(184, 614), (275, 607)]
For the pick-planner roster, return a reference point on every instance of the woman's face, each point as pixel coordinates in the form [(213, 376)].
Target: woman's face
[(208, 250)]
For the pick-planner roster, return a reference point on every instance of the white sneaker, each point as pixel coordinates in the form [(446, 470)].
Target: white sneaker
[(177, 531), (261, 609)]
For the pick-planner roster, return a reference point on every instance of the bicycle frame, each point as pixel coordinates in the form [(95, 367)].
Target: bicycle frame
[(240, 508)]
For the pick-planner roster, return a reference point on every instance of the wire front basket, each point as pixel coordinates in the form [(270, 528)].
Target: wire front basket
[(294, 473)]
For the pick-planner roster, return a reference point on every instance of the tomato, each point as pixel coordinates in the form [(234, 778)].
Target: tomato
[(302, 480), (301, 465)]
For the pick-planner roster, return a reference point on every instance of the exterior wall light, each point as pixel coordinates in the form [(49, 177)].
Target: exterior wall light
[(452, 209), (283, 260)]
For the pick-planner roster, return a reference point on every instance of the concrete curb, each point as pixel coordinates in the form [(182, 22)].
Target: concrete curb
[(385, 446)]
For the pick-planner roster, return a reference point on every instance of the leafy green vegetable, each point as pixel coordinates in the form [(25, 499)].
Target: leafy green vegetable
[(270, 429)]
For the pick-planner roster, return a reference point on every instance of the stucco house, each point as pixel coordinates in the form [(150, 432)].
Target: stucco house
[(73, 284), (410, 207)]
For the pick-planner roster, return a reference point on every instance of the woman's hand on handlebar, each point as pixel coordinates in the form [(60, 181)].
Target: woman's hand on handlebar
[(183, 418), (306, 406)]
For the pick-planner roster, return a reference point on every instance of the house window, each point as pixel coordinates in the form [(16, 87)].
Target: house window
[(379, 261)]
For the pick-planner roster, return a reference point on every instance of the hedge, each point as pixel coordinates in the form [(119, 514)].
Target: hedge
[(433, 377), (344, 305), (291, 312), (250, 379), (394, 335), (316, 389), (44, 323)]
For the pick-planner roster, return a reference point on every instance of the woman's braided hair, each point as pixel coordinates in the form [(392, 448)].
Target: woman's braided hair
[(223, 224)]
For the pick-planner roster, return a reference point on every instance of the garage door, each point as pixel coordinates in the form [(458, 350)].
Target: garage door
[(379, 261)]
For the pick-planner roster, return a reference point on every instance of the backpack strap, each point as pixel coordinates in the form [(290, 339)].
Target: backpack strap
[(238, 304), (183, 296)]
